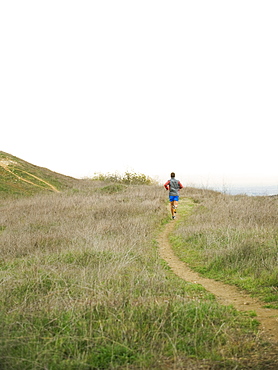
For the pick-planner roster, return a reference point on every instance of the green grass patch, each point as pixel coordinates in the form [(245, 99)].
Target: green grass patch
[(239, 255), (2, 228), (113, 188), (111, 336)]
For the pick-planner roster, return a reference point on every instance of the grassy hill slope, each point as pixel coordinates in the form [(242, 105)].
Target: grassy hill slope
[(18, 178)]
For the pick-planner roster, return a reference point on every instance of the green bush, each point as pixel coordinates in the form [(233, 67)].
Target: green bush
[(128, 178)]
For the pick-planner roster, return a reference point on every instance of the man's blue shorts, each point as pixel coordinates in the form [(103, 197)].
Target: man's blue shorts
[(173, 197)]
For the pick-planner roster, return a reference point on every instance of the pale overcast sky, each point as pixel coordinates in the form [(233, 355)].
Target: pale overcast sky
[(150, 86)]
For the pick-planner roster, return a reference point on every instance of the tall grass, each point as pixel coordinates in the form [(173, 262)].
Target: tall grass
[(233, 238), (82, 287)]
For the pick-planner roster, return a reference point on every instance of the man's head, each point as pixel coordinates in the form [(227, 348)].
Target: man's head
[(173, 174)]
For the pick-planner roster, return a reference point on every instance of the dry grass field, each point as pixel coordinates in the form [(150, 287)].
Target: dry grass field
[(82, 285)]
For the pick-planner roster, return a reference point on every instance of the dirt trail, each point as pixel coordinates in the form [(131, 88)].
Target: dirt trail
[(4, 164), (226, 294)]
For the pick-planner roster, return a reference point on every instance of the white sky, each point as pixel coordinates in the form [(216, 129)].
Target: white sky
[(149, 86)]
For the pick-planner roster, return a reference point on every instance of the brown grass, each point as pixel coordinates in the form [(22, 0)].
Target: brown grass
[(82, 287)]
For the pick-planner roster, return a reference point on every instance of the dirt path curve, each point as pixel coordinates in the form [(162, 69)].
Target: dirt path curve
[(226, 294), (4, 164)]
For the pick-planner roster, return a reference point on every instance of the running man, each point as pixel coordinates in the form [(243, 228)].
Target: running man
[(174, 186)]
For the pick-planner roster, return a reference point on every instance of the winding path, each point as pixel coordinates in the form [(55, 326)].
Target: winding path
[(226, 294)]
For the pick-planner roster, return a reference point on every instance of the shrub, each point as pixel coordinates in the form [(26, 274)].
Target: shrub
[(128, 178)]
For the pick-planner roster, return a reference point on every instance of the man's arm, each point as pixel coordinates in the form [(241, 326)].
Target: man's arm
[(166, 185)]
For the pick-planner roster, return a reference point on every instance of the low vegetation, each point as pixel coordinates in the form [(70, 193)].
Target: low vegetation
[(82, 286), (233, 239)]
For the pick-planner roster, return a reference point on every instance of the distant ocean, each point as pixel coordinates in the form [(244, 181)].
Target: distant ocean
[(252, 190)]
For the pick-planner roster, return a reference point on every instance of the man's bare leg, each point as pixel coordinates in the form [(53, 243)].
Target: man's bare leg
[(172, 208)]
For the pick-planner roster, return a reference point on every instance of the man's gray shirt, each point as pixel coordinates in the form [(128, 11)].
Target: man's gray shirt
[(174, 187)]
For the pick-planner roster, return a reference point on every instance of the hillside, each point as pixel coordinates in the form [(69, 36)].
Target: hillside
[(19, 178)]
